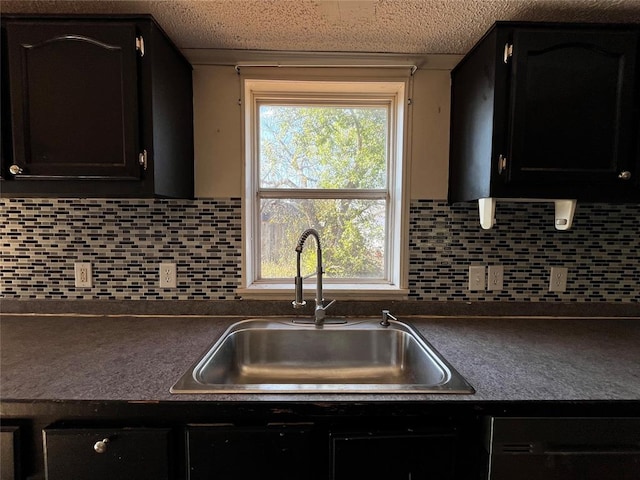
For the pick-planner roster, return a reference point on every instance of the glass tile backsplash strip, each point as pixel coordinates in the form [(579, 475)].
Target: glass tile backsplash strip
[(125, 240)]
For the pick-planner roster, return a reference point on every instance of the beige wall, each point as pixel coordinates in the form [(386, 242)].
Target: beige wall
[(430, 135), (218, 133)]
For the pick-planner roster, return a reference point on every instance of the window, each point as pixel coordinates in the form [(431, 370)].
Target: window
[(326, 155)]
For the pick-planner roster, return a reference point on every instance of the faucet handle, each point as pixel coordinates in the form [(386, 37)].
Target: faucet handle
[(329, 304), (320, 312)]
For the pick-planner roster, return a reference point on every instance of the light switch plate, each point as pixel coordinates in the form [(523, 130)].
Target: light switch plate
[(476, 278), (558, 279)]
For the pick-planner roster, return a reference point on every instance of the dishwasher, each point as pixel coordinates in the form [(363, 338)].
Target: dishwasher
[(562, 448)]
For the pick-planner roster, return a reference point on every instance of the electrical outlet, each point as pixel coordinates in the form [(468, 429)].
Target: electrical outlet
[(476, 278), (496, 277), (83, 275), (558, 279), (168, 275)]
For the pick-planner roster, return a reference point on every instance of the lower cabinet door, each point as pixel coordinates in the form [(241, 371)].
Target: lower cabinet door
[(9, 452), (227, 452), (399, 455), (96, 453)]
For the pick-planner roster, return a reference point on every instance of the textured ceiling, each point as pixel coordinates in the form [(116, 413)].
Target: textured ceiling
[(393, 26)]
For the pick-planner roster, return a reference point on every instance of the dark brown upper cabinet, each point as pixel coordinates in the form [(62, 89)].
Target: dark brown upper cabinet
[(547, 111), (98, 106)]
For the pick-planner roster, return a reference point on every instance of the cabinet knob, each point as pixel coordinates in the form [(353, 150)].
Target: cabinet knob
[(101, 446), (15, 169), (626, 175)]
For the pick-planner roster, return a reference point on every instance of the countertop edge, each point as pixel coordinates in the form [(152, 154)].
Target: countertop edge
[(343, 308)]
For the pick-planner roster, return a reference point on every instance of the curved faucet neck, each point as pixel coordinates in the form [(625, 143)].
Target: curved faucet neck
[(299, 302)]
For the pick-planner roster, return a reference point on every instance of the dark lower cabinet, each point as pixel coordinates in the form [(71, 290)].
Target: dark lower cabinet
[(9, 452), (95, 453), (320, 441), (400, 455), (227, 452)]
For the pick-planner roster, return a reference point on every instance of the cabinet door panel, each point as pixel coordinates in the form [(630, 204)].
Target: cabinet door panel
[(74, 99), (9, 452), (400, 456), (572, 106), (129, 453), (239, 453)]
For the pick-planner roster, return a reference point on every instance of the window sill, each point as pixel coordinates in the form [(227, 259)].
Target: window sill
[(281, 291)]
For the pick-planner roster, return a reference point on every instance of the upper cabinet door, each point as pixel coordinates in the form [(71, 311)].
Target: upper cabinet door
[(572, 107), (74, 99)]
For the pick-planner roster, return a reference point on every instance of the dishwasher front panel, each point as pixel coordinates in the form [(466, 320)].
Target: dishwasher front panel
[(563, 448)]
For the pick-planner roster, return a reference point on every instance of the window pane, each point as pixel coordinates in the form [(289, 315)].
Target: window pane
[(352, 233), (323, 147)]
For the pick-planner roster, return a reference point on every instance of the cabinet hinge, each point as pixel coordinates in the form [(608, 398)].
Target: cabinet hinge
[(508, 52), (502, 164), (142, 159), (140, 45)]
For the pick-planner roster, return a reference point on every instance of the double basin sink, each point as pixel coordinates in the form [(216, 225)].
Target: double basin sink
[(341, 356)]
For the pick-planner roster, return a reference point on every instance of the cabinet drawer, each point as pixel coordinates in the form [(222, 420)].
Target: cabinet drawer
[(97, 453)]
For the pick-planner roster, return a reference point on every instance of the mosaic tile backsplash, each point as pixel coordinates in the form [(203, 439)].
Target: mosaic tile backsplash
[(125, 240)]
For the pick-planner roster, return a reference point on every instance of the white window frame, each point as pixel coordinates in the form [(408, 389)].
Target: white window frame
[(394, 92)]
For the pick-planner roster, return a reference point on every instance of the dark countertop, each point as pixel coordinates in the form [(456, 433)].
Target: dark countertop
[(138, 358)]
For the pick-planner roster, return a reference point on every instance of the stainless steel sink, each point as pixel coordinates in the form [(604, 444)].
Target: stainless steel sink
[(356, 356)]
